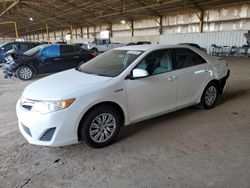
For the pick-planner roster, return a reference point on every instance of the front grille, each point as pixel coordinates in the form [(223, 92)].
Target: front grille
[(27, 130), (47, 136)]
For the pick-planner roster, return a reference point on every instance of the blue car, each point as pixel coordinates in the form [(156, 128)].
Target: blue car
[(19, 47)]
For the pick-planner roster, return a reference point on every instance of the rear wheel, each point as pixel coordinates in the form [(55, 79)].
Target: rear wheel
[(209, 96), (100, 127), (24, 73)]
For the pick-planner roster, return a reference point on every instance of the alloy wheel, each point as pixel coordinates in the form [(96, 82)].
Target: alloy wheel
[(102, 127), (25, 73), (210, 95)]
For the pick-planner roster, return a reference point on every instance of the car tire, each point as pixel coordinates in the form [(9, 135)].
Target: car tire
[(100, 126), (209, 96), (24, 73)]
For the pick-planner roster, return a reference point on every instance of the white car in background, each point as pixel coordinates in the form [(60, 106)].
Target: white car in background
[(120, 87), (102, 45)]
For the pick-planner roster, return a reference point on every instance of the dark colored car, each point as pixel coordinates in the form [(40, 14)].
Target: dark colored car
[(17, 46), (60, 42), (138, 43), (194, 45), (44, 59)]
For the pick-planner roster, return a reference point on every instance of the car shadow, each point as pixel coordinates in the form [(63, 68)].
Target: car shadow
[(230, 95), (133, 129), (39, 76), (128, 131)]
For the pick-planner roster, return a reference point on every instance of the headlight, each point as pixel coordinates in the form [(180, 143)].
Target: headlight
[(88, 46), (45, 107)]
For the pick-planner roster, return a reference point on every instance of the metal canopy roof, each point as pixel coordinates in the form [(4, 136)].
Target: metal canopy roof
[(60, 14)]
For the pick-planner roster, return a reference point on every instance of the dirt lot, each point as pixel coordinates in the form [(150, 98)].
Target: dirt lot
[(187, 148)]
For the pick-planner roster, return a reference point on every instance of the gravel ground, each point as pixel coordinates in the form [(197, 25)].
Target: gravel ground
[(187, 148)]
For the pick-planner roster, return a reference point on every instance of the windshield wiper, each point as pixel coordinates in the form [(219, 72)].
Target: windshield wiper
[(92, 73)]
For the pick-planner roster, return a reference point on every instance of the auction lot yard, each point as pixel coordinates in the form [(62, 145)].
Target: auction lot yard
[(187, 148)]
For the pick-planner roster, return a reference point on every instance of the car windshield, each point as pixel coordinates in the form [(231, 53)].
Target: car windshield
[(33, 51), (111, 63)]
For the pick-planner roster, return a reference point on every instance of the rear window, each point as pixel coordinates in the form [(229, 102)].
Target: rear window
[(186, 58)]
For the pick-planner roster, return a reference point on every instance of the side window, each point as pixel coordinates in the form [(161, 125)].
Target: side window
[(186, 58), (32, 45), (200, 60), (23, 46), (104, 42), (157, 62), (50, 52), (66, 49)]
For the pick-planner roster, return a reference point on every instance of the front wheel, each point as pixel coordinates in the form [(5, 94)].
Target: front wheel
[(209, 96), (94, 51), (24, 73), (100, 127)]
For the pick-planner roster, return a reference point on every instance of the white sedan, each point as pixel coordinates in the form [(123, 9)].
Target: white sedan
[(120, 87)]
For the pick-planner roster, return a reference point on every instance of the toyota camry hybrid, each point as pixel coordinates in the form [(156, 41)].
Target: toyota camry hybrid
[(120, 87)]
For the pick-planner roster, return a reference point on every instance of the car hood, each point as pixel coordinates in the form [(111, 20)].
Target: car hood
[(60, 85)]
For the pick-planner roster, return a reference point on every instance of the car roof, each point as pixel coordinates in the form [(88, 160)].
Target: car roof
[(152, 47)]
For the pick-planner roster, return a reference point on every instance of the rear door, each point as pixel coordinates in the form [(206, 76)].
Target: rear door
[(193, 72), (69, 58)]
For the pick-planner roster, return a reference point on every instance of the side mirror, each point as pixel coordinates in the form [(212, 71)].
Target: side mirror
[(139, 73), (2, 48)]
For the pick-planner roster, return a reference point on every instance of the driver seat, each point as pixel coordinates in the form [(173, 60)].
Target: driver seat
[(165, 65)]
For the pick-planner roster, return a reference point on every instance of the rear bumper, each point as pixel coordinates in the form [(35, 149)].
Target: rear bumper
[(222, 82)]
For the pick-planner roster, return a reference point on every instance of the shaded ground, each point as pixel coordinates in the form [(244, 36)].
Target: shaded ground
[(187, 148)]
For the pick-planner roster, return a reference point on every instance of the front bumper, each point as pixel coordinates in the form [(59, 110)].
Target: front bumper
[(52, 129), (8, 70), (9, 66)]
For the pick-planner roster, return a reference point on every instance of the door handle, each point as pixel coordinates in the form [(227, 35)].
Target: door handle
[(171, 78), (76, 57), (57, 58)]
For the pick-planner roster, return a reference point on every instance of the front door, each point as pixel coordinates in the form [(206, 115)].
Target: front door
[(50, 60), (155, 94)]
